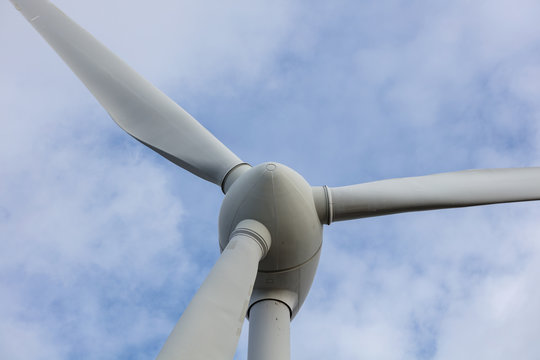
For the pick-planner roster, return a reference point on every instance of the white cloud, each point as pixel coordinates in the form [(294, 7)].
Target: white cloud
[(102, 243)]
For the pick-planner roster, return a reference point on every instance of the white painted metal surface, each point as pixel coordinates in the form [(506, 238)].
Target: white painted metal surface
[(282, 199), (211, 324), (431, 192), (269, 331)]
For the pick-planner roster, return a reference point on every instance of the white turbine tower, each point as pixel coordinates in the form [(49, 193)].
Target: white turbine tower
[(271, 220)]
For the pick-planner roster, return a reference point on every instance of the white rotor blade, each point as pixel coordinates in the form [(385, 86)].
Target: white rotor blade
[(211, 324), (136, 106), (439, 191)]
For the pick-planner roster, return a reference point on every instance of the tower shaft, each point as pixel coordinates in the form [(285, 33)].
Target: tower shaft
[(269, 331)]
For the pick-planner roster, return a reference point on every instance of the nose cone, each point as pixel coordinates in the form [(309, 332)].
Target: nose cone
[(282, 200)]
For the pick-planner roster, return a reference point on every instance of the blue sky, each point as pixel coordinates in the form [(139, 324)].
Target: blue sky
[(103, 242)]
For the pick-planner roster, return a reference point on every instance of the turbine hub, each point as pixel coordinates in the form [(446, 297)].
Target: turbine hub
[(280, 199)]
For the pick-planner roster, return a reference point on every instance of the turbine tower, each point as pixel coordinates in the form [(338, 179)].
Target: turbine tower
[(271, 220)]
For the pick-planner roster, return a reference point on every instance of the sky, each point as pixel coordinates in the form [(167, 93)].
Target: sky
[(103, 242)]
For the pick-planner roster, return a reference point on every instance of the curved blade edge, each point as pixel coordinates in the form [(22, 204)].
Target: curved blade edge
[(135, 104), (431, 192)]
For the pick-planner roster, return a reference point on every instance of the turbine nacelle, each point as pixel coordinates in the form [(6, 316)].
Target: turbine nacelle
[(282, 200)]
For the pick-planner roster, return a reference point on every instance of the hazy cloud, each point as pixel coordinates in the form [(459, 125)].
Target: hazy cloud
[(103, 243)]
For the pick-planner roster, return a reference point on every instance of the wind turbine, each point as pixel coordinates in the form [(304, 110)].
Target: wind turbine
[(271, 219)]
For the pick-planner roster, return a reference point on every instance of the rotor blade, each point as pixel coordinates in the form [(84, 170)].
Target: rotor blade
[(211, 324), (439, 191), (135, 105)]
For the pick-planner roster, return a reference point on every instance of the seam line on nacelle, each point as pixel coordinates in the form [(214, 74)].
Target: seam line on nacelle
[(293, 267)]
